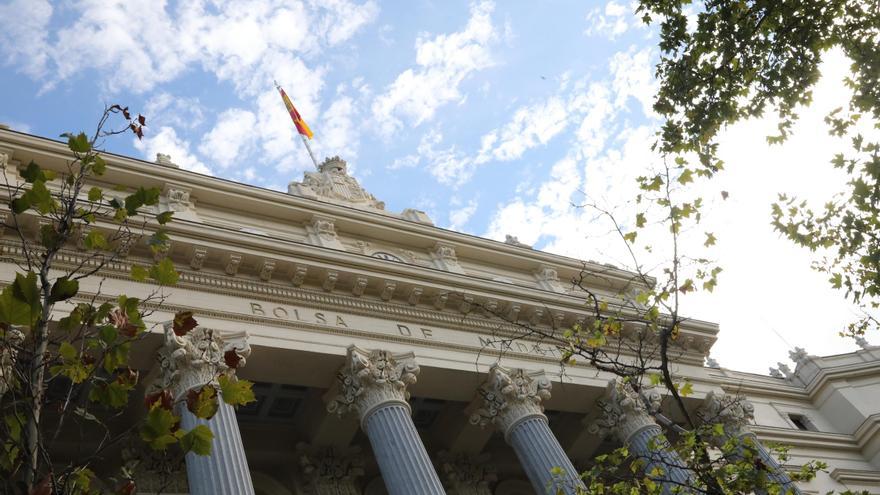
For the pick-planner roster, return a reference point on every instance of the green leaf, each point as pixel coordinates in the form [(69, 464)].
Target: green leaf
[(686, 176), (686, 389), (164, 217), (25, 291), (158, 426), (95, 240), (164, 273), (100, 166), (141, 197), (63, 289), (198, 440), (630, 237), (79, 143), (95, 194), (139, 273), (33, 173), (203, 402), (640, 220), (67, 351), (236, 392), (710, 239)]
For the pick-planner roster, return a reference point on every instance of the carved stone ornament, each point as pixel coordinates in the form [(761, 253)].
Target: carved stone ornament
[(163, 159), (862, 342), (624, 412), (513, 241), (548, 279), (9, 344), (329, 471), (798, 354), (322, 232), (233, 262), (197, 358), (178, 197), (509, 396), (299, 275), (4, 160), (369, 379), (444, 258), (467, 475), (735, 413), (198, 258), (332, 183)]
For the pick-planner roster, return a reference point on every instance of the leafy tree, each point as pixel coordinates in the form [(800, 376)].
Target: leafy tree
[(726, 61), (65, 368)]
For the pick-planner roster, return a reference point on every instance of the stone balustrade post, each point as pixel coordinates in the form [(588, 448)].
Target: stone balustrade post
[(511, 400), (626, 416), (329, 471), (734, 414), (191, 361), (373, 384)]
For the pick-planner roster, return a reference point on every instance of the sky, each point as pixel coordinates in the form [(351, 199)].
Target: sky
[(494, 118)]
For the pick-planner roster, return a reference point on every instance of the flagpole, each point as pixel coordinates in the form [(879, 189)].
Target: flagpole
[(304, 140)]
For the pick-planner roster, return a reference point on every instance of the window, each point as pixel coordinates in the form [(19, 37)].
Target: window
[(801, 422)]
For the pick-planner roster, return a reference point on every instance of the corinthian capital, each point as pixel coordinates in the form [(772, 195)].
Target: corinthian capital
[(734, 413), (198, 357), (509, 396), (466, 475), (624, 412), (369, 379), (329, 471)]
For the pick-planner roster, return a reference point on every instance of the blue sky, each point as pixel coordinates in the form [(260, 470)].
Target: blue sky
[(491, 117)]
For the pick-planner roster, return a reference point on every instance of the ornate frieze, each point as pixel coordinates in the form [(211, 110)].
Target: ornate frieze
[(624, 412), (733, 412), (414, 295), (266, 269), (330, 279), (333, 184), (369, 379), (548, 279), (299, 275), (444, 258), (387, 291), (513, 310), (233, 262), (322, 232), (359, 286), (466, 304), (467, 475), (440, 300), (197, 260), (198, 358), (510, 395), (329, 471)]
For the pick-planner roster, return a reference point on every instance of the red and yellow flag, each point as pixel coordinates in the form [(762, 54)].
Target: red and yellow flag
[(298, 121)]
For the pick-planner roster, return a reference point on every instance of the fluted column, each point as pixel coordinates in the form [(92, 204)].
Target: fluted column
[(192, 361), (734, 414), (626, 416), (373, 384), (511, 400), (467, 475), (329, 471)]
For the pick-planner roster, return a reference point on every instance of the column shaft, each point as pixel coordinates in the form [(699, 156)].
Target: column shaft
[(659, 457), (225, 471), (539, 452), (775, 472), (403, 461)]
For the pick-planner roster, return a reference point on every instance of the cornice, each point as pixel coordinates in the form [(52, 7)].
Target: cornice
[(856, 476), (806, 439), (827, 375)]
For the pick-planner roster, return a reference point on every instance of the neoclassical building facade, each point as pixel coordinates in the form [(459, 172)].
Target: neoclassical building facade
[(383, 353)]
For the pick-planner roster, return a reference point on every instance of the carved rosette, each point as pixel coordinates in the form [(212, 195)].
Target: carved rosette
[(12, 339), (510, 396), (466, 475), (733, 412), (198, 358), (370, 379), (624, 412), (329, 471)]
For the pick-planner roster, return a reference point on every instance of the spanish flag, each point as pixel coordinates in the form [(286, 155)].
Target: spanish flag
[(298, 121)]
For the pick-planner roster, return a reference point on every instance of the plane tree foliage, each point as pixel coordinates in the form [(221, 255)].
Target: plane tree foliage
[(67, 381), (727, 61)]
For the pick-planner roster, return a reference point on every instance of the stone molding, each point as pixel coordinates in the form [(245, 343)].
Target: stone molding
[(509, 396), (329, 471), (371, 379), (624, 412), (733, 412), (197, 358), (467, 475)]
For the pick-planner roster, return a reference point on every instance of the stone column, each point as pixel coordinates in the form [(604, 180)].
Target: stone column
[(373, 384), (467, 475), (626, 416), (192, 361), (329, 471), (734, 414), (511, 400)]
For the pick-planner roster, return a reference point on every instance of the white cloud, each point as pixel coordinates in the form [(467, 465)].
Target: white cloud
[(231, 136), (443, 63), (449, 166), (530, 126), (23, 36), (460, 216), (612, 20), (166, 141), (165, 109), (634, 78)]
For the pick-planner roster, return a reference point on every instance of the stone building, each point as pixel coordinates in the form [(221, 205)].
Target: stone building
[(377, 344)]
